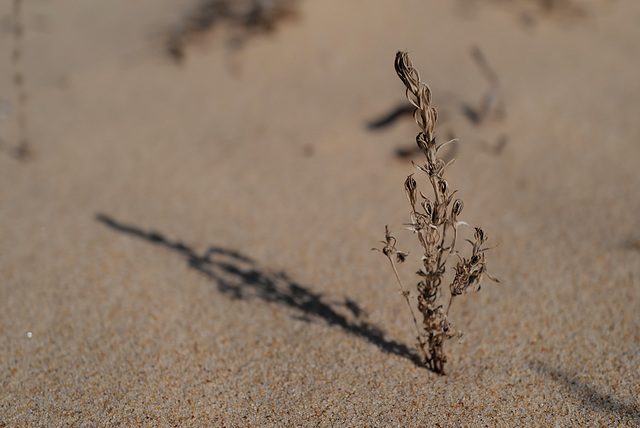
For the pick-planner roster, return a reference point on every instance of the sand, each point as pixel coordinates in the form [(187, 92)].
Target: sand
[(190, 244)]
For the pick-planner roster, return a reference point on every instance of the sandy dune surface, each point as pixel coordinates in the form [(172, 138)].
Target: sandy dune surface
[(190, 243)]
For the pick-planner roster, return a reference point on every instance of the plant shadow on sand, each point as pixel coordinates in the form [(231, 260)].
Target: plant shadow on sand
[(238, 277), (587, 394)]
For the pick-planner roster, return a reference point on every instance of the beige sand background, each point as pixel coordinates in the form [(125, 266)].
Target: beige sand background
[(191, 244)]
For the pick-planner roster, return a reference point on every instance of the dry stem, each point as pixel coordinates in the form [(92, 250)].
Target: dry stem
[(435, 222)]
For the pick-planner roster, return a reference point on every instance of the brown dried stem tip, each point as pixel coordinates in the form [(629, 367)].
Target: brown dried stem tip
[(435, 222)]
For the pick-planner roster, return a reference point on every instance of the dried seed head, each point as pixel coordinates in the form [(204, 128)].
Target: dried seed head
[(456, 209), (480, 235), (443, 187), (424, 94), (422, 143), (389, 243), (428, 208), (406, 72), (410, 187), (440, 214), (461, 281), (426, 116), (418, 93)]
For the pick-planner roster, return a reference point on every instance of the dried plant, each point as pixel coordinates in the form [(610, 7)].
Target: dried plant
[(247, 16), (531, 11), (435, 223)]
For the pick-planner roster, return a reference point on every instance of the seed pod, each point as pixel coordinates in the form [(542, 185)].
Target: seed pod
[(421, 141), (410, 187), (406, 72), (457, 208), (443, 187), (428, 209)]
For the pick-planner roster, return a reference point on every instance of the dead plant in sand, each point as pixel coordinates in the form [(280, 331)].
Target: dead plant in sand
[(243, 17), (434, 220)]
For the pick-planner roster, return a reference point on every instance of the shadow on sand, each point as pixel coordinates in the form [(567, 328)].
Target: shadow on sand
[(588, 395), (238, 277)]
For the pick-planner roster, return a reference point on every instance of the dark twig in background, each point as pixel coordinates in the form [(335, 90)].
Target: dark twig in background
[(491, 103), (22, 150), (248, 16)]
